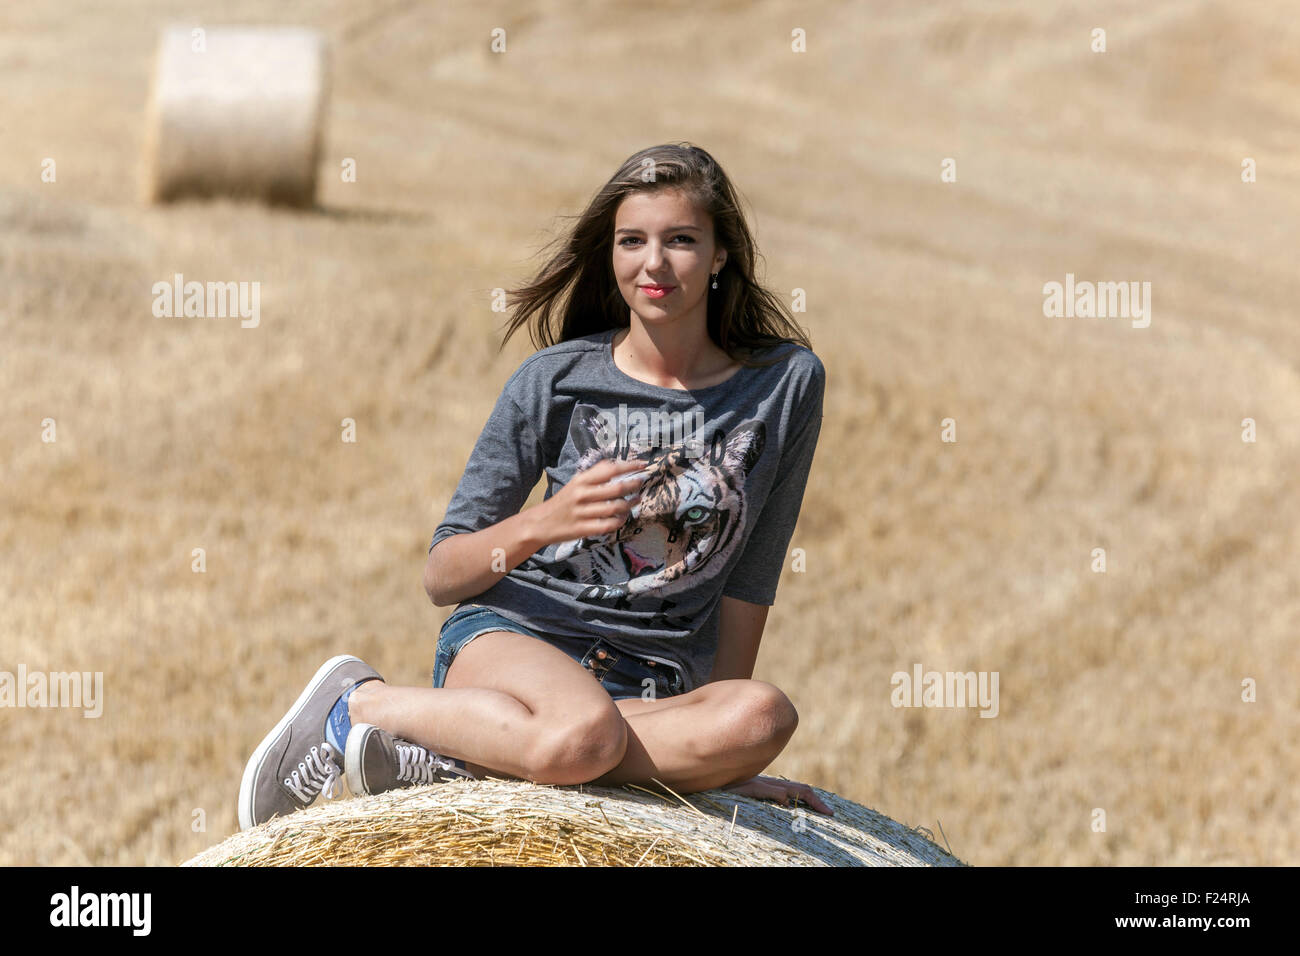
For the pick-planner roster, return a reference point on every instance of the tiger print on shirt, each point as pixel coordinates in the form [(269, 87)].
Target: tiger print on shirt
[(691, 514)]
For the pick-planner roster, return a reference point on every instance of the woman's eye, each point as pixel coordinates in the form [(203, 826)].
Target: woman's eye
[(626, 239)]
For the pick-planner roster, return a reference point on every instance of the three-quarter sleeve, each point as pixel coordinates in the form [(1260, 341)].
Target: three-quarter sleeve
[(502, 470), (755, 575)]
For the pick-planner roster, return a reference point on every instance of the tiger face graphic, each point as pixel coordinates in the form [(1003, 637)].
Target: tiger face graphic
[(691, 513)]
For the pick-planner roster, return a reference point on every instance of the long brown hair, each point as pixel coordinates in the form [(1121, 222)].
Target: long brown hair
[(743, 317)]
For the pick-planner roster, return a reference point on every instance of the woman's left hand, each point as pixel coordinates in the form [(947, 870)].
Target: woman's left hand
[(784, 791)]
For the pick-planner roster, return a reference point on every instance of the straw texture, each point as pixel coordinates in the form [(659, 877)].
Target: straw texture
[(236, 112), (516, 823)]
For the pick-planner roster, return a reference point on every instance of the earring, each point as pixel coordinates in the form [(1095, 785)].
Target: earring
[(715, 280)]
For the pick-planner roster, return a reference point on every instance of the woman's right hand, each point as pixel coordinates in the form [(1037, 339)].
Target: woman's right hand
[(593, 503)]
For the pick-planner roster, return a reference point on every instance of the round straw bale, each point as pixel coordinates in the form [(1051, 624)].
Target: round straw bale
[(516, 823), (236, 112)]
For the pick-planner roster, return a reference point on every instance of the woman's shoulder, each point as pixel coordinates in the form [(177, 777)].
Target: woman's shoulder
[(544, 364), (804, 375), (562, 351), (794, 360)]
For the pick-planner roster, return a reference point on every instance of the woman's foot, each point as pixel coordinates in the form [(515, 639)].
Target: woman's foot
[(376, 762), (296, 762)]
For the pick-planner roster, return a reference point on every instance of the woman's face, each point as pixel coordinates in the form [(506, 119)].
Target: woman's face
[(662, 239)]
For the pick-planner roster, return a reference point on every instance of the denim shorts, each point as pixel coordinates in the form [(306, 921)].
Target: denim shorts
[(621, 675)]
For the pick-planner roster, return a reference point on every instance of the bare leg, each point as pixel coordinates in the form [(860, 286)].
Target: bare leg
[(717, 734), (511, 706), (514, 706)]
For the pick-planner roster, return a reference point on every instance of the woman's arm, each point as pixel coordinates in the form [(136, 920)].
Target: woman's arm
[(595, 502), (462, 565), (740, 628)]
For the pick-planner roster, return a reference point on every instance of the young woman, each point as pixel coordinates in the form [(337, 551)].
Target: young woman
[(607, 635)]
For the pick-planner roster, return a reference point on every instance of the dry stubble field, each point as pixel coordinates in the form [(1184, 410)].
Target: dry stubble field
[(1119, 691)]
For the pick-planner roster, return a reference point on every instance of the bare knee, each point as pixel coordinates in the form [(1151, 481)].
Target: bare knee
[(581, 748), (762, 717)]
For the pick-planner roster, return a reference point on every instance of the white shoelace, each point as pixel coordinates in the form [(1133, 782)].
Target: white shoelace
[(416, 764), (318, 773)]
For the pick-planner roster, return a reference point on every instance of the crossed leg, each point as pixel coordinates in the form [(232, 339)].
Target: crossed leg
[(514, 706)]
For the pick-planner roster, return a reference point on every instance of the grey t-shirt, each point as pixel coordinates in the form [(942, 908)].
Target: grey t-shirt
[(727, 468)]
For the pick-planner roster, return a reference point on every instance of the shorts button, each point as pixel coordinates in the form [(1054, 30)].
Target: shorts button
[(601, 655)]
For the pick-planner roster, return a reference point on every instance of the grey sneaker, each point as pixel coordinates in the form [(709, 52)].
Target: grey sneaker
[(376, 761), (295, 763)]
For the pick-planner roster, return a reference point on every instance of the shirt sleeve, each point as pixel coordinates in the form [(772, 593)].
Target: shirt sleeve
[(502, 471), (755, 575)]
